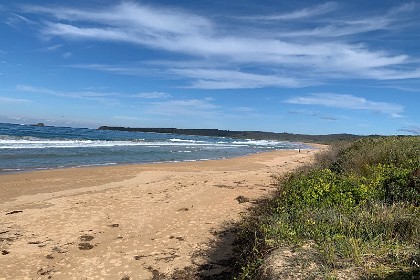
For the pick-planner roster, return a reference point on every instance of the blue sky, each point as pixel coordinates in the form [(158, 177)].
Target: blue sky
[(311, 67)]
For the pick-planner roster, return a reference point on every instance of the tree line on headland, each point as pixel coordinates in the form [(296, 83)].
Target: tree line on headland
[(256, 135)]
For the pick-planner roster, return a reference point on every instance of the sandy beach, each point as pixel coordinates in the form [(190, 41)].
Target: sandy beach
[(128, 222)]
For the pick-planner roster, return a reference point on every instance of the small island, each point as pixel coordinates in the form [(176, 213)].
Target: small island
[(39, 124)]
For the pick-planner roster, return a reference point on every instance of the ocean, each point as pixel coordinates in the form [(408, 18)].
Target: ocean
[(26, 148)]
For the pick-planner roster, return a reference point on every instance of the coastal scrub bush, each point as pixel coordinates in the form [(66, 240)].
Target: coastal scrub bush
[(358, 204)]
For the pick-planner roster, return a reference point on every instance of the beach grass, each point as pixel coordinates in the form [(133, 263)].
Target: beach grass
[(352, 214)]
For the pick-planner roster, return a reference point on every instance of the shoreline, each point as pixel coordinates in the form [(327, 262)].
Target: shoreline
[(18, 171), (116, 221)]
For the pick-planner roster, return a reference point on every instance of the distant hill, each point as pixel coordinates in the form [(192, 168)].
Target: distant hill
[(257, 135)]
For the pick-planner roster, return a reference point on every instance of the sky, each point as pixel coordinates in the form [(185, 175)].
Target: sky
[(310, 67)]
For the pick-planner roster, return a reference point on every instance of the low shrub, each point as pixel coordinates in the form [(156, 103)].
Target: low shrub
[(358, 203)]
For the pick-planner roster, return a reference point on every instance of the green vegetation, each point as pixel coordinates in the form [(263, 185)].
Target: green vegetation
[(357, 208)]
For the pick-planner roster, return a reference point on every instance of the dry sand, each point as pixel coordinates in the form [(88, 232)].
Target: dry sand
[(127, 222)]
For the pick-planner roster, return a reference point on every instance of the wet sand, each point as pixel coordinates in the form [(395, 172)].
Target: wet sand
[(127, 222)]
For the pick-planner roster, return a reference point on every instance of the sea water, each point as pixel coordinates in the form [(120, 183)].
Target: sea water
[(25, 147)]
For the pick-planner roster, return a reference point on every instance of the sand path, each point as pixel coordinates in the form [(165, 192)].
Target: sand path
[(126, 222)]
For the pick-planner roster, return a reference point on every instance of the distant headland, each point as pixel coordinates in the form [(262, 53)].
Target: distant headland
[(257, 135)]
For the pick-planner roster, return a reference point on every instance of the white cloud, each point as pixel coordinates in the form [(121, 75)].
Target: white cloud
[(234, 48), (347, 101), (297, 53), (132, 16)]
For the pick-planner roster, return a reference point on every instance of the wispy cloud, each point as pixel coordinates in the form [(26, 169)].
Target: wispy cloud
[(105, 97), (347, 101), (153, 103), (131, 15), (411, 130), (87, 95), (225, 79), (67, 55), (243, 109), (403, 8), (14, 20), (54, 47), (304, 13), (329, 118), (79, 94), (185, 107), (205, 78), (126, 118), (297, 57), (117, 69), (353, 24), (406, 88), (151, 95), (315, 114), (14, 100)]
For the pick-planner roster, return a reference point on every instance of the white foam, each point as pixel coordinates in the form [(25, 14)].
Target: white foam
[(41, 144), (12, 142), (96, 164), (176, 140), (259, 142)]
